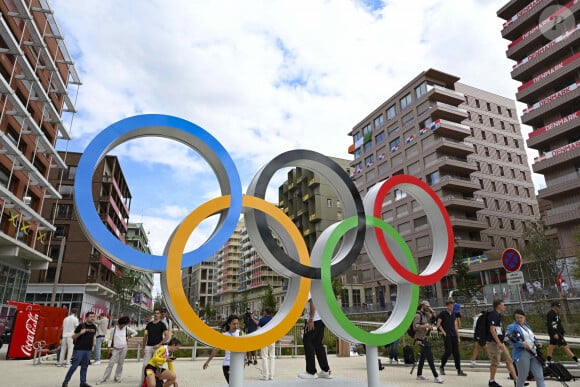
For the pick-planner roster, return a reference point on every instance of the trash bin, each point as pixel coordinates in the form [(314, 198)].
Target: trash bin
[(342, 348)]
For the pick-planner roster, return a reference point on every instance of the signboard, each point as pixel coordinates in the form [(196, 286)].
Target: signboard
[(515, 278), (511, 260)]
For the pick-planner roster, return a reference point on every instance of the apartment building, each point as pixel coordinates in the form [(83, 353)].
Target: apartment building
[(86, 277), (459, 140), (137, 237), (36, 77), (544, 43)]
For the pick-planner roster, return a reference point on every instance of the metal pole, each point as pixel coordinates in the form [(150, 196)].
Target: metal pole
[(372, 358), (520, 295), (236, 369), (57, 274)]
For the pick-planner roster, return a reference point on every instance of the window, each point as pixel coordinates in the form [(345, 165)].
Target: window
[(509, 157), (523, 175), (502, 125), (513, 128), (481, 183), (391, 112), (400, 194), (357, 153), (379, 121), (66, 191), (469, 116), (489, 169), (491, 123), (493, 188), (520, 159), (329, 202), (433, 178), (369, 161), (512, 224), (496, 203), (520, 208), (395, 144), (498, 109), (421, 90), (517, 191), (484, 202), (530, 209), (495, 138), (501, 173), (480, 118), (486, 151), (61, 230), (527, 190), (72, 171), (366, 131), (476, 102), (368, 146), (500, 221), (488, 106), (379, 138), (405, 101), (64, 211), (513, 173), (393, 130), (488, 221), (422, 108), (407, 119), (509, 112), (498, 154), (478, 165), (505, 188), (505, 140), (509, 205), (516, 143), (483, 134), (4, 176)]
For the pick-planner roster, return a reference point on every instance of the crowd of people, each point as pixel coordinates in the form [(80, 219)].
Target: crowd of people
[(81, 339)]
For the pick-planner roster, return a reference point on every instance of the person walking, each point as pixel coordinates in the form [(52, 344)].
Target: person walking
[(231, 328), (118, 349), (84, 342), (393, 353), (69, 325), (154, 336), (312, 339), (102, 327), (556, 332), (268, 352), (422, 326), (250, 326), (522, 339), (447, 324), (496, 349), (154, 369)]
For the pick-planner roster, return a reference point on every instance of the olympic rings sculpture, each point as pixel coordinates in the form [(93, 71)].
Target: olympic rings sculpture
[(289, 257)]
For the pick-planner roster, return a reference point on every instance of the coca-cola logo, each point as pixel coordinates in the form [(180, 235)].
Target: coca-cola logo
[(31, 324)]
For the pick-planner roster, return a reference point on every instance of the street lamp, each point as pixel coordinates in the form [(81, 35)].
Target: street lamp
[(57, 274)]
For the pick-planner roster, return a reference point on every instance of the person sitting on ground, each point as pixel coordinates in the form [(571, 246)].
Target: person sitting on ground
[(154, 369)]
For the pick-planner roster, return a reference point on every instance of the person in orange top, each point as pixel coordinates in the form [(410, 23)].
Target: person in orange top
[(154, 368)]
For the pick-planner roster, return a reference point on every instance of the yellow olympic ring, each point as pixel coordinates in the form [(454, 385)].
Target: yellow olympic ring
[(280, 325)]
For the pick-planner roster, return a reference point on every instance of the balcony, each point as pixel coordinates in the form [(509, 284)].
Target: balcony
[(445, 95), (527, 15), (314, 218), (566, 155), (472, 244), (466, 223), (457, 183), (565, 214), (563, 100), (561, 189), (463, 203), (541, 58), (453, 130), (542, 137), (313, 182), (451, 147), (560, 72), (452, 165), (440, 110)]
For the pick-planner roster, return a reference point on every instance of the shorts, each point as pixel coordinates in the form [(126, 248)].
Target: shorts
[(560, 341), (152, 370), (496, 355)]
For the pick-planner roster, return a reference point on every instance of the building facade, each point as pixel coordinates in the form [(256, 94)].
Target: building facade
[(86, 277), (143, 300), (544, 43), (442, 132), (36, 74)]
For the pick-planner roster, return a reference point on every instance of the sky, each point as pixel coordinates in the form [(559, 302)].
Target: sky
[(263, 77)]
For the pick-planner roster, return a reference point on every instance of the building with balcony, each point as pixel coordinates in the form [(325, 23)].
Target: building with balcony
[(547, 63), (143, 301), (467, 145), (36, 77), (86, 277)]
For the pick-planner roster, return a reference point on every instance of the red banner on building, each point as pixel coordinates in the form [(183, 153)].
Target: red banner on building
[(34, 326), (554, 124), (549, 71)]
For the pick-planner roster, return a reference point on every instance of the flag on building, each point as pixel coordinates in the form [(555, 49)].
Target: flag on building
[(395, 148), (410, 138), (382, 156), (422, 131)]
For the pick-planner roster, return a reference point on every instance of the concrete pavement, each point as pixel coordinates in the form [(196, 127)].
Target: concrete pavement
[(347, 372)]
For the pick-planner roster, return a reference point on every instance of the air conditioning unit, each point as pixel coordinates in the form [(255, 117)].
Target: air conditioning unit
[(27, 200)]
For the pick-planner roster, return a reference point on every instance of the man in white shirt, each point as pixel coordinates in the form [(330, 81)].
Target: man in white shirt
[(102, 324), (118, 349), (69, 325)]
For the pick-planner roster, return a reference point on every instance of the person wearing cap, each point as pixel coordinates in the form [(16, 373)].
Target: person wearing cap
[(448, 324), (422, 326), (556, 332)]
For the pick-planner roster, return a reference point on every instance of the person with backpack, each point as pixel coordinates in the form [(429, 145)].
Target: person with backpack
[(525, 355), (496, 349), (422, 326), (448, 325), (479, 335), (118, 349)]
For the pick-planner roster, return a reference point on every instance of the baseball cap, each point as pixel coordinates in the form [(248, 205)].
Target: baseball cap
[(556, 303), (426, 303)]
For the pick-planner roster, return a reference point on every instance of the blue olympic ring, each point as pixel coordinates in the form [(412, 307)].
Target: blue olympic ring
[(173, 128)]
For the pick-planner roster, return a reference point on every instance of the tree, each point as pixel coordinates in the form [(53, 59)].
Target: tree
[(575, 272), (541, 252), (124, 287), (466, 284), (268, 300)]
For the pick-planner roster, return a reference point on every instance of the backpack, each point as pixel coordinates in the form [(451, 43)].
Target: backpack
[(481, 328), (411, 329)]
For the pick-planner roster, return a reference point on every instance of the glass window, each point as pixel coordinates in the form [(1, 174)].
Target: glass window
[(393, 130), (379, 138), (395, 144), (64, 211), (369, 161), (66, 191), (400, 194), (391, 112), (421, 90), (368, 146), (379, 121), (405, 101), (72, 171), (407, 119), (357, 153), (433, 178)]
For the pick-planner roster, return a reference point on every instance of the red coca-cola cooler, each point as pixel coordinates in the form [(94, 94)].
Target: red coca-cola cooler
[(34, 326)]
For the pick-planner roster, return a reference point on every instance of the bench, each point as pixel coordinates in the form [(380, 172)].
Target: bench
[(43, 353), (286, 342), (135, 343)]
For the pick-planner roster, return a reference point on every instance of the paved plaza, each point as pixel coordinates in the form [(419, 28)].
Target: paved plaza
[(347, 371)]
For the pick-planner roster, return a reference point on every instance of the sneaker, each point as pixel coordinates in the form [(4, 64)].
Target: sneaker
[(255, 362), (67, 365), (493, 383), (118, 380), (461, 373), (325, 374), (391, 361), (306, 375), (442, 370), (263, 378), (473, 363), (96, 362), (439, 379), (421, 377), (101, 381), (58, 365), (85, 385)]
